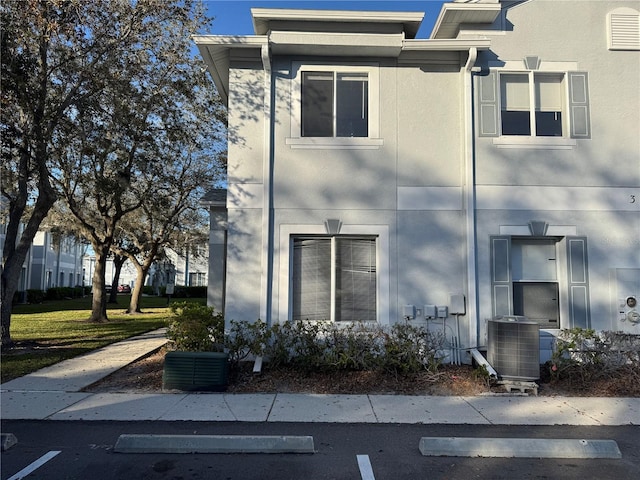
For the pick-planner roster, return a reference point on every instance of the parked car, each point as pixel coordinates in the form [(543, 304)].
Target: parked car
[(124, 289)]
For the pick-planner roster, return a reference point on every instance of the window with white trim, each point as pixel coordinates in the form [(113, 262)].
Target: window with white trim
[(334, 278), (532, 104), (536, 104), (334, 106)]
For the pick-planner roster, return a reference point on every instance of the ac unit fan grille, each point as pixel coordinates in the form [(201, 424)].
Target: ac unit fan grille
[(514, 349)]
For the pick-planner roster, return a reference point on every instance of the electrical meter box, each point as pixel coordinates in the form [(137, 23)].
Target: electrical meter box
[(457, 304), (409, 311), (443, 312), (429, 311)]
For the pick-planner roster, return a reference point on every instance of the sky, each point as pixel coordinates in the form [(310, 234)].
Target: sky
[(233, 17)]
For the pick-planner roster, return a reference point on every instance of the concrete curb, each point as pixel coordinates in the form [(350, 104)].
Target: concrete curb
[(518, 447), (213, 444)]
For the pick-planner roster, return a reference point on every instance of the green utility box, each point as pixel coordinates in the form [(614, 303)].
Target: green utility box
[(196, 371)]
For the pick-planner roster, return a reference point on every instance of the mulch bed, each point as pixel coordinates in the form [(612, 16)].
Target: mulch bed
[(145, 376)]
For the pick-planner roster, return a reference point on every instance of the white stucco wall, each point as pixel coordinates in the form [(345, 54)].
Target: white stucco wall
[(589, 187)]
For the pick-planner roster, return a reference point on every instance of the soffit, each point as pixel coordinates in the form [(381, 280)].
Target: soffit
[(216, 53), (452, 15), (264, 20)]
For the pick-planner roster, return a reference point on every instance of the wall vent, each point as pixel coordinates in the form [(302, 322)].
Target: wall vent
[(624, 29)]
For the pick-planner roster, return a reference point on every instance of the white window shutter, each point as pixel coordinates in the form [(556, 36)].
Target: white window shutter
[(579, 105)]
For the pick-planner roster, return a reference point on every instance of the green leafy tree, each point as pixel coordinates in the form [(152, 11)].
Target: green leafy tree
[(91, 91)]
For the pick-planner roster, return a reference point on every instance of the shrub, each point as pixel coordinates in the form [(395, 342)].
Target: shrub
[(325, 346), (195, 328), (180, 291), (35, 296), (583, 356), (59, 293)]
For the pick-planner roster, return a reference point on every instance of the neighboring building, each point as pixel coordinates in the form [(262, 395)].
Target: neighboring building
[(188, 268), (493, 168), (53, 261)]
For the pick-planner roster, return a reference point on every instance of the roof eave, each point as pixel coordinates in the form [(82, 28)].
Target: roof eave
[(215, 51), (452, 15), (410, 21)]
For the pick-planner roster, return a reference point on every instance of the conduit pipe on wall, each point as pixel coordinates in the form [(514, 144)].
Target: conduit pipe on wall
[(267, 200), (470, 196)]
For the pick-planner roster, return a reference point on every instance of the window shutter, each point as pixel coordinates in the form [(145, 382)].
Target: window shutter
[(579, 105), (579, 312), (501, 288), (312, 279), (488, 105)]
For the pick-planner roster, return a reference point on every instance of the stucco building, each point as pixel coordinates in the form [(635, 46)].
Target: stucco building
[(492, 169)]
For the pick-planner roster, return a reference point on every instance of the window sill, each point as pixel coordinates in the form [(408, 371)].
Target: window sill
[(336, 143), (539, 143)]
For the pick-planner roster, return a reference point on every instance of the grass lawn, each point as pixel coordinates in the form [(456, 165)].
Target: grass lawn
[(50, 332)]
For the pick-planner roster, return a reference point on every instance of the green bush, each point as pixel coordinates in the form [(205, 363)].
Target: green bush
[(35, 296), (60, 293), (325, 346), (180, 291), (583, 356), (195, 328)]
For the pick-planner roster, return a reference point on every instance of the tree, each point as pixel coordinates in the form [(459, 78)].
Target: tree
[(173, 206), (54, 56), (134, 131), (118, 262), (69, 68)]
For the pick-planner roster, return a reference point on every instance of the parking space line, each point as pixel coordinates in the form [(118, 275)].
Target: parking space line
[(366, 471), (35, 465)]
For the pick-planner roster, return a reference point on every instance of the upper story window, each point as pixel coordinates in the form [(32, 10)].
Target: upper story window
[(534, 107), (532, 104), (334, 106)]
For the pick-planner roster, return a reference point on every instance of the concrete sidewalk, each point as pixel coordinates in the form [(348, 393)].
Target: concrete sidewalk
[(53, 393)]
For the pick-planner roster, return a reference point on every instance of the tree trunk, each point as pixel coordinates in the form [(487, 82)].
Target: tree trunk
[(99, 303), (136, 294), (118, 262), (16, 248)]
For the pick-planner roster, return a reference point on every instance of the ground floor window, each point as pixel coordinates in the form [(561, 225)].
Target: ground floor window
[(197, 279), (334, 278), (529, 278)]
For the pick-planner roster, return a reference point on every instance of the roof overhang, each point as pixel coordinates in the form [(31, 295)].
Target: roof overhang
[(216, 53), (453, 15), (264, 17)]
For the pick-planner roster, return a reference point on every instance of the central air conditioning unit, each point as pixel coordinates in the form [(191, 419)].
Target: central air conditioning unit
[(513, 347)]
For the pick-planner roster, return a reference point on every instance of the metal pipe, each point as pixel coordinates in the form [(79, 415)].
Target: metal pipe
[(477, 356)]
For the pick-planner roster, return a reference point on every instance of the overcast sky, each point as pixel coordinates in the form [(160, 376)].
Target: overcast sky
[(233, 17)]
